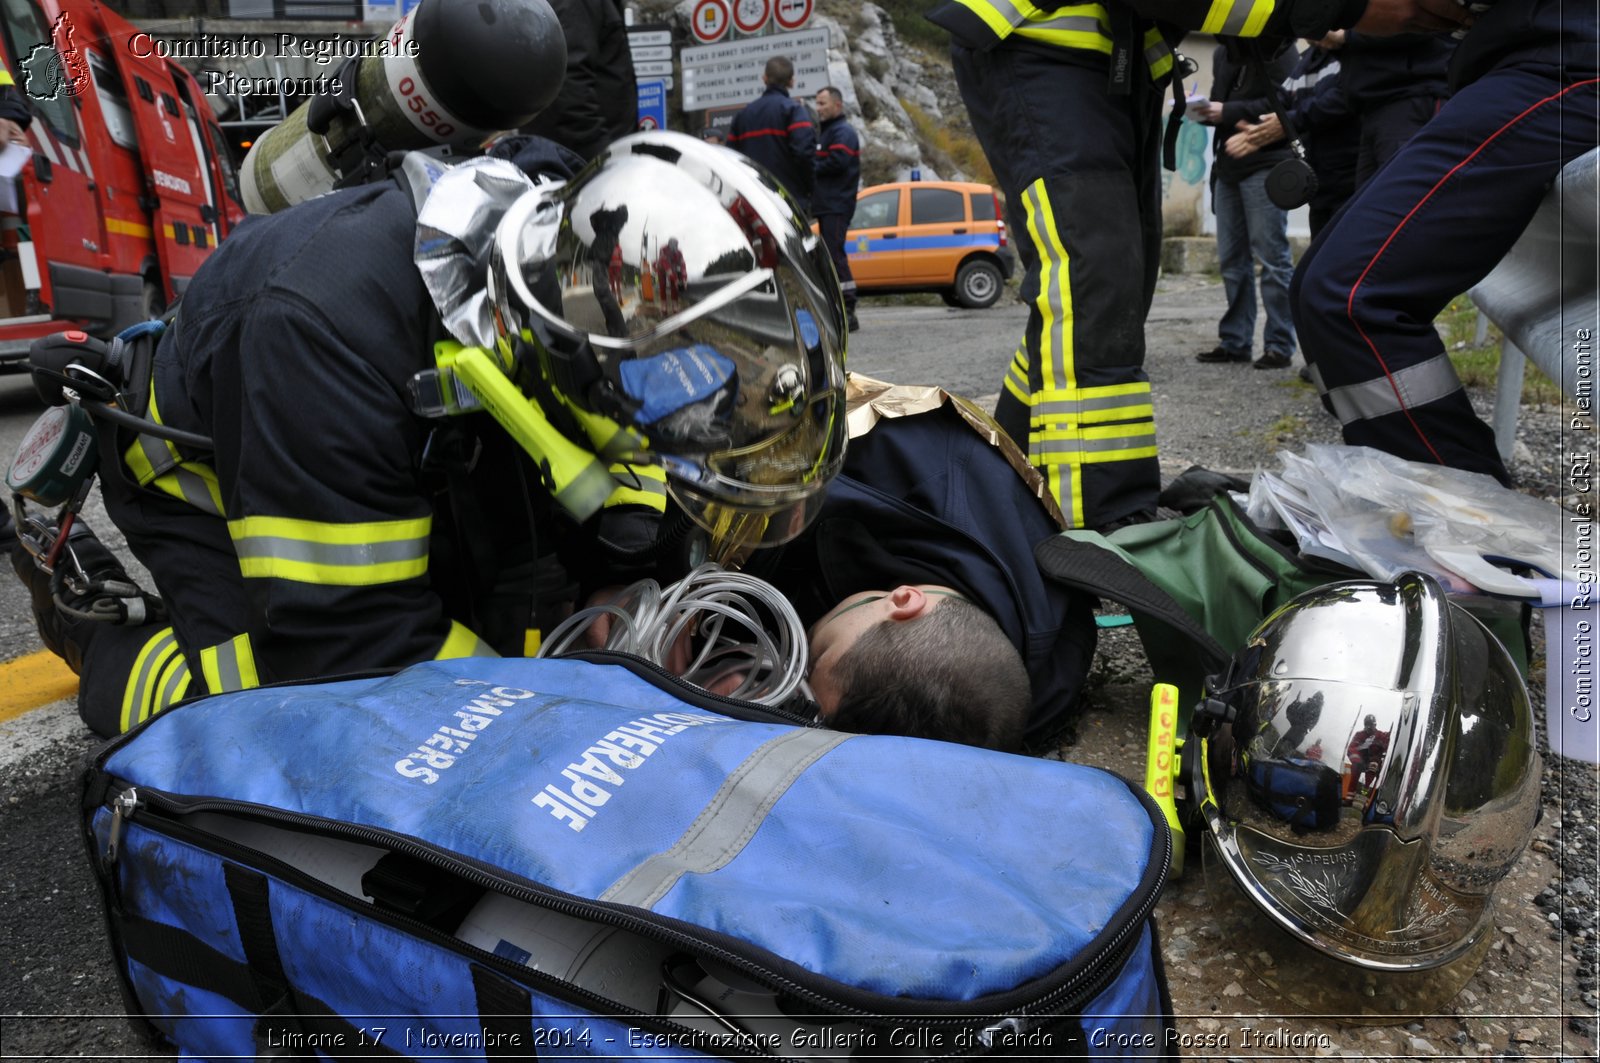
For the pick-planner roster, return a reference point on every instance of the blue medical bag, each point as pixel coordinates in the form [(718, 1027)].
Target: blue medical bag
[(519, 858)]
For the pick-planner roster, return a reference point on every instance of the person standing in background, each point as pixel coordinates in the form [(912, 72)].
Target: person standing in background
[(599, 100), (776, 132), (1250, 226), (833, 203)]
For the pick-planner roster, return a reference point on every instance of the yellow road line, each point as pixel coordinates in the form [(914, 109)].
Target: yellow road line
[(32, 681)]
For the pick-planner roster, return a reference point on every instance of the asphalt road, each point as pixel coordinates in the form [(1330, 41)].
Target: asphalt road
[(59, 998)]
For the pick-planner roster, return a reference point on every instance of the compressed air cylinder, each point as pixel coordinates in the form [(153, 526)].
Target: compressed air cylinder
[(451, 72)]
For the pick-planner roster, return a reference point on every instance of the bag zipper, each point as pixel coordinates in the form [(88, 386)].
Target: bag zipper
[(126, 801)]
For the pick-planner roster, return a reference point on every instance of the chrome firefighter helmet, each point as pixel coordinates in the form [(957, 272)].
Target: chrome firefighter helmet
[(672, 298), (1368, 776)]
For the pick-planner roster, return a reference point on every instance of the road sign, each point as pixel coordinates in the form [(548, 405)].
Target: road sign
[(750, 16), (792, 14), (650, 35), (652, 70), (710, 20), (727, 74), (651, 55), (652, 105)]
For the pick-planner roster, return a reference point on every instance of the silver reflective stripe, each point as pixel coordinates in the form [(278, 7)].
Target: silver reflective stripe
[(157, 453), (1315, 375), (1045, 447), (228, 669), (1157, 52), (176, 684), (153, 656), (1055, 335), (195, 491), (1413, 386), (1068, 24), (281, 548), (1073, 409), (731, 818), (1238, 15)]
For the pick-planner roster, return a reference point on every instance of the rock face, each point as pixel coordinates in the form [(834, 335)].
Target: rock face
[(878, 74)]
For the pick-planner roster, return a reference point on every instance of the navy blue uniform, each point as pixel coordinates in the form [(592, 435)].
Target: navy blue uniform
[(834, 202), (926, 499), (776, 132), (1436, 221), (1395, 84)]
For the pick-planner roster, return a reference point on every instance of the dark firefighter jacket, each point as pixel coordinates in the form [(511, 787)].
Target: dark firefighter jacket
[(838, 168), (12, 104), (331, 530), (1374, 71), (1557, 35), (776, 131), (925, 499), (1095, 34), (599, 99)]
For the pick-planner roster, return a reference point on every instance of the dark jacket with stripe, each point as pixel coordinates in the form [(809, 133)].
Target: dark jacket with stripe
[(1094, 31), (926, 499), (329, 537), (776, 132), (838, 168)]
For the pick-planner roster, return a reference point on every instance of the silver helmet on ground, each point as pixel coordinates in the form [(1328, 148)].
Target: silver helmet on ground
[(1369, 775)]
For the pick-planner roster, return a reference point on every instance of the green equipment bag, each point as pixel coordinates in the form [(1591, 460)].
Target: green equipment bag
[(1198, 585)]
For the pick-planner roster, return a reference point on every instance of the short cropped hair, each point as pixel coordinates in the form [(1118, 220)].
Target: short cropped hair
[(950, 674), (832, 92), (780, 72)]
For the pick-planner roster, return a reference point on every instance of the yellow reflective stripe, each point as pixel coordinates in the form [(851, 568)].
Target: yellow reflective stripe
[(1259, 14), (639, 485), (462, 642), (353, 554), (195, 484), (1234, 18), (1093, 42), (1054, 302), (532, 639), (157, 463), (7, 79), (1018, 391), (997, 23), (144, 677), (229, 665), (1157, 54)]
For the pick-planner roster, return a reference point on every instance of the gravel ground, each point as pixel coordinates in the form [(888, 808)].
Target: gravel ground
[(1534, 997)]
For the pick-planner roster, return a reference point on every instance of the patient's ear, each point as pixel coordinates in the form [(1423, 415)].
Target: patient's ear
[(907, 603)]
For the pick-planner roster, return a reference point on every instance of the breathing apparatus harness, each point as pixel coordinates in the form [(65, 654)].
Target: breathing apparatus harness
[(744, 627)]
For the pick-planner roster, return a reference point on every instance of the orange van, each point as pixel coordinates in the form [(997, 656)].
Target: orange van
[(943, 236)]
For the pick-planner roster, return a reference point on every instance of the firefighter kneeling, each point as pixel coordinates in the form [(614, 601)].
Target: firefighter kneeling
[(447, 405)]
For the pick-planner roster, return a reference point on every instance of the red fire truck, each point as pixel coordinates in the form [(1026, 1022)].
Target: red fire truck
[(129, 187)]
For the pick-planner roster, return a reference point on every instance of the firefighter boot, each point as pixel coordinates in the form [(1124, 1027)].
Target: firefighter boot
[(89, 587)]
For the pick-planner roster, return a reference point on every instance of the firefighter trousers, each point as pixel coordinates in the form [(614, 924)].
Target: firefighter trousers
[(1429, 226), (1080, 168)]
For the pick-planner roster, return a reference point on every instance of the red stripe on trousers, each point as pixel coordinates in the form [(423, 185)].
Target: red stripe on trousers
[(1351, 301)]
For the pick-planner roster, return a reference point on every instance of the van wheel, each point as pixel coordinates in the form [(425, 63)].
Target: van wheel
[(949, 297), (978, 284), (154, 298)]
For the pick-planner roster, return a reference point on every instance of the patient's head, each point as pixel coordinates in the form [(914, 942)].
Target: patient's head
[(922, 661)]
